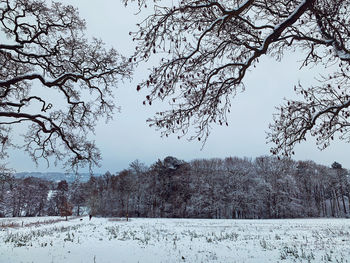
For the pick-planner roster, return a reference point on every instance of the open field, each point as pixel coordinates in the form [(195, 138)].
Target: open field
[(48, 239)]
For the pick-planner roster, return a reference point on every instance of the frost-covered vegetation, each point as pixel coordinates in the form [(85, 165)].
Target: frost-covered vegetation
[(216, 188), (174, 240)]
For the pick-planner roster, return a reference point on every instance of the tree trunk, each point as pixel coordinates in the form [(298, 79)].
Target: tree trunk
[(331, 201), (344, 206), (324, 203), (127, 207), (338, 204)]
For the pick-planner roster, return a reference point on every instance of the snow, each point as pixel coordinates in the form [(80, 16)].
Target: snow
[(282, 25), (341, 53), (49, 239), (51, 194)]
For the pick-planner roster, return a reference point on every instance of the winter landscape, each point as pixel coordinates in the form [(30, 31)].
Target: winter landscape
[(208, 210), (97, 97), (106, 240)]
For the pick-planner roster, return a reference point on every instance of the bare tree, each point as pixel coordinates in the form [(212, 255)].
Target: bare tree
[(207, 47), (53, 81)]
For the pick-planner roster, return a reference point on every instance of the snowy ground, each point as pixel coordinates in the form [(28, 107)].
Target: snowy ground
[(48, 239)]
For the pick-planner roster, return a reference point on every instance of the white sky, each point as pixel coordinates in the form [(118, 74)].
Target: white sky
[(128, 137)]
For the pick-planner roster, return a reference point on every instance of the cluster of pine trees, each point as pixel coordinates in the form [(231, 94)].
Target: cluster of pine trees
[(265, 187)]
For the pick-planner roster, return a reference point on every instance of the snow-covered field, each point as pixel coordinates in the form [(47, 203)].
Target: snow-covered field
[(48, 239)]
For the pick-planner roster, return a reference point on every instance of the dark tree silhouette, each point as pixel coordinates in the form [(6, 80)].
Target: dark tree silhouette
[(207, 47), (66, 209), (53, 82), (336, 165)]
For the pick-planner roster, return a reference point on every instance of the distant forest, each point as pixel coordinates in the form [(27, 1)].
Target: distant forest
[(265, 187)]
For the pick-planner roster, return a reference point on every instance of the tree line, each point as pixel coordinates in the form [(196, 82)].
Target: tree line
[(265, 187)]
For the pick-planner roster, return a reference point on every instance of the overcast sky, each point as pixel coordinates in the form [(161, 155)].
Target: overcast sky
[(128, 137)]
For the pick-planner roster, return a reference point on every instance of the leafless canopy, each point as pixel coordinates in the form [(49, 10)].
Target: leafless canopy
[(53, 82), (206, 48)]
